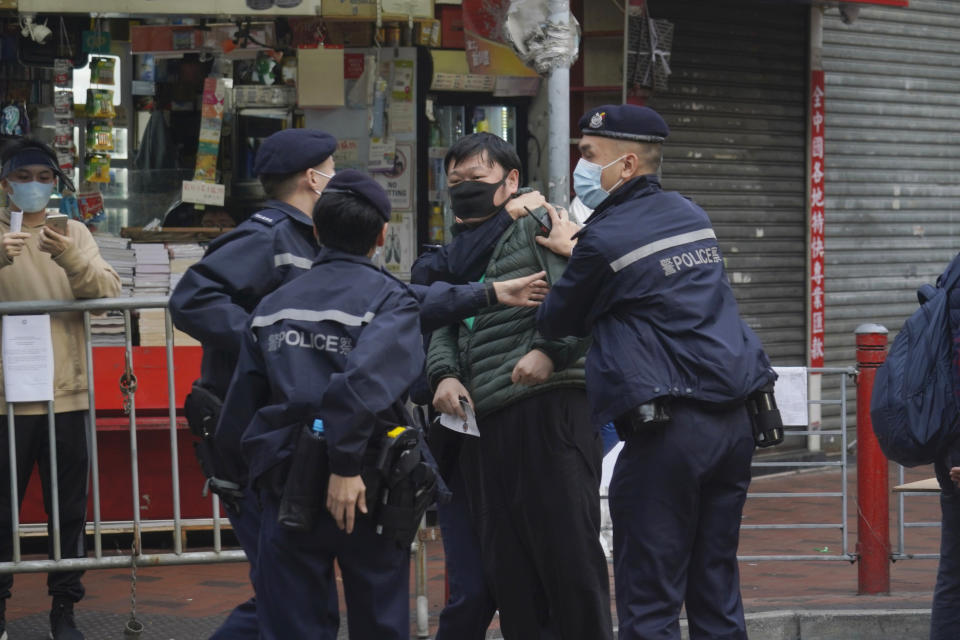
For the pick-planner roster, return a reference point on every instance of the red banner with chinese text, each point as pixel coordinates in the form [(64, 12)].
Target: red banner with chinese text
[(817, 96)]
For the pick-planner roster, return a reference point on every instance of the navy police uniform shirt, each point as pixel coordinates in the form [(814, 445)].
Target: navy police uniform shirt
[(213, 300), (646, 278), (341, 343)]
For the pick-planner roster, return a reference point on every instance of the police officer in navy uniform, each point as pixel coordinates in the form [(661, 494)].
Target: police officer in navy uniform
[(341, 344), (672, 364), (213, 300), (215, 297)]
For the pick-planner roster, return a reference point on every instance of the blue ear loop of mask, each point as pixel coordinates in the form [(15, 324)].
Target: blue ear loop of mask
[(587, 182)]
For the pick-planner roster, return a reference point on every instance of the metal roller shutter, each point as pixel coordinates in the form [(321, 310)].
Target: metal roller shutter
[(892, 163), (736, 106)]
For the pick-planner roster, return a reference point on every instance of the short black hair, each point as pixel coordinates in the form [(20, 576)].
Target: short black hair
[(278, 186), (347, 222), (495, 149)]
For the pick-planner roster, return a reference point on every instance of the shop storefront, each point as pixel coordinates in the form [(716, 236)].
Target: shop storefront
[(736, 103), (893, 164), (158, 111)]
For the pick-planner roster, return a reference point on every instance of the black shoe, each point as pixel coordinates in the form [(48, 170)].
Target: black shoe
[(3, 619), (62, 626)]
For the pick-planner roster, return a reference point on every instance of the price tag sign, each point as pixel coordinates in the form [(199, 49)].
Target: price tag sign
[(199, 192)]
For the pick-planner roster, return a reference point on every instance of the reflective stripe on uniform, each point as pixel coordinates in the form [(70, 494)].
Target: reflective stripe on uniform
[(311, 315), (281, 259), (665, 243)]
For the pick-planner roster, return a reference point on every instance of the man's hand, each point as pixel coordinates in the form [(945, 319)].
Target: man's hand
[(955, 475), (517, 207), (53, 243), (344, 494), (13, 243), (560, 240), (528, 291), (447, 397), (533, 368)]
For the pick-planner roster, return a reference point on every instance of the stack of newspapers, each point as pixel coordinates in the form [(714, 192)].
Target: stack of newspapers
[(151, 277), (107, 329)]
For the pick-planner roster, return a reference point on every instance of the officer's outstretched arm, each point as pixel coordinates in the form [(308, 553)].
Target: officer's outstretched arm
[(465, 258), (573, 299), (442, 303)]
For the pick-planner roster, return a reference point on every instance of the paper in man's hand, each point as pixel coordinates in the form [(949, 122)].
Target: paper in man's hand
[(456, 423)]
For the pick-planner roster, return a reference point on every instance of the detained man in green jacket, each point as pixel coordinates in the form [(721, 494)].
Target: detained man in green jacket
[(533, 475)]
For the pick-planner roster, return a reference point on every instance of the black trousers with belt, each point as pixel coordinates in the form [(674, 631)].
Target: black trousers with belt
[(72, 474), (533, 480)]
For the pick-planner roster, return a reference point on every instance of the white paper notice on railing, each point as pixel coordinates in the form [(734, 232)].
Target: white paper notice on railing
[(27, 359), (791, 394)]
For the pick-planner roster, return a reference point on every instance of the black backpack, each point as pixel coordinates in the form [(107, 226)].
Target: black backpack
[(914, 406)]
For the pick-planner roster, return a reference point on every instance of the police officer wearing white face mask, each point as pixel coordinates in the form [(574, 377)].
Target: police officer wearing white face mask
[(38, 263), (213, 300), (672, 365)]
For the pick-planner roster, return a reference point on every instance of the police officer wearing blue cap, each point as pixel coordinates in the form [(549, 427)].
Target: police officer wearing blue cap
[(213, 300), (672, 365), (342, 344)]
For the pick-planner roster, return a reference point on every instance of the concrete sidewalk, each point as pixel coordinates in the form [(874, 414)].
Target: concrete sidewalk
[(784, 600)]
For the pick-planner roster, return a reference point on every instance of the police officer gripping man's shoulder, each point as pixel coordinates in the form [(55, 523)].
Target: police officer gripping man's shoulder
[(672, 365)]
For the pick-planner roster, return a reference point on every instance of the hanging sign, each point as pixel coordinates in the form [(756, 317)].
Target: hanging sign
[(487, 51), (398, 181), (208, 150), (817, 281), (199, 192), (96, 42)]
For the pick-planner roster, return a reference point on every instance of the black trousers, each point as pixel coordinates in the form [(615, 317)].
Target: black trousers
[(533, 485), (72, 474)]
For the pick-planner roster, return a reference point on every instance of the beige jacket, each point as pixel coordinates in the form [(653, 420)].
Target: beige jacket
[(78, 272)]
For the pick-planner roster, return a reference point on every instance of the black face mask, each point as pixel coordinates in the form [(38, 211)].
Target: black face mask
[(473, 199)]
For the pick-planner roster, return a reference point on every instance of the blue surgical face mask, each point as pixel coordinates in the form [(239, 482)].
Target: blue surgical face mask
[(31, 196), (587, 185)]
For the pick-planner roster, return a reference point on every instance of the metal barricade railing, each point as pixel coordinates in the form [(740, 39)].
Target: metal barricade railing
[(136, 524), (903, 524), (845, 374)]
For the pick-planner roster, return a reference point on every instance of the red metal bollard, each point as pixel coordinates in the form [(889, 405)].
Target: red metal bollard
[(873, 491)]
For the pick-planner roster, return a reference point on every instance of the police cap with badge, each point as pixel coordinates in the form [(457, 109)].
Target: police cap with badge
[(360, 185), (625, 122), (293, 150)]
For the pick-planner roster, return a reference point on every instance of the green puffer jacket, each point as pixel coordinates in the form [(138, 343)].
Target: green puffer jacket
[(483, 357)]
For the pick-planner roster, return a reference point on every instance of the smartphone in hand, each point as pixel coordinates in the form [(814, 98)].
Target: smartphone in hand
[(57, 222)]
